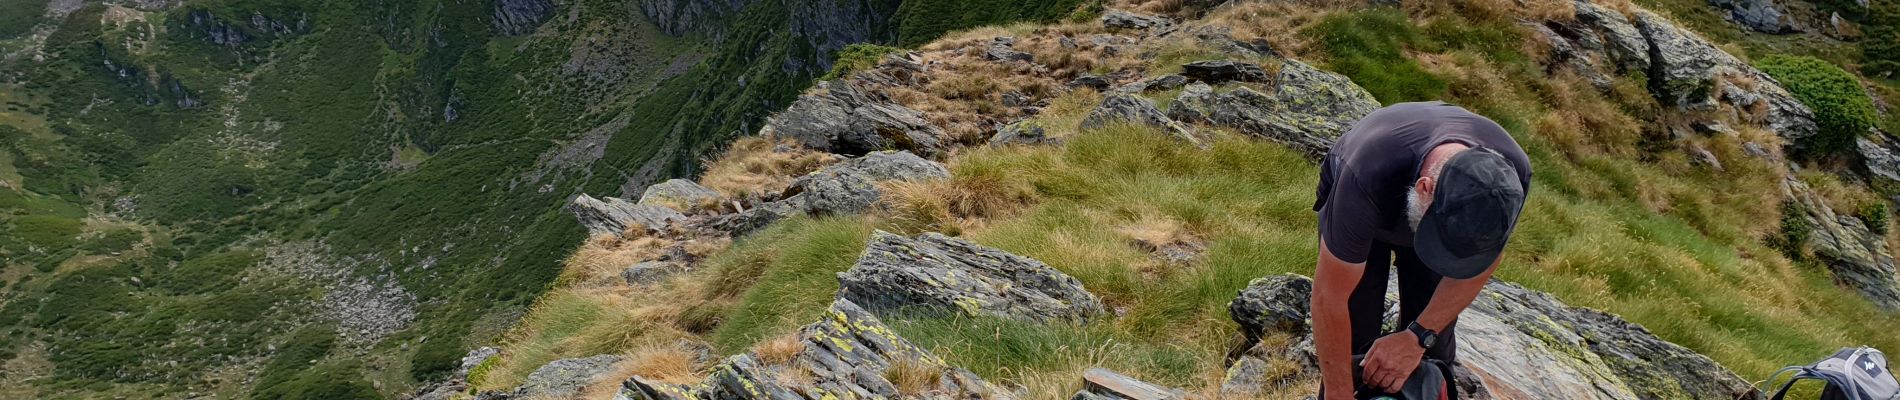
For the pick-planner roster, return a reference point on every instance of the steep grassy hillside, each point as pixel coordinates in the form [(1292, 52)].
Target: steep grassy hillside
[(293, 199), (1634, 209)]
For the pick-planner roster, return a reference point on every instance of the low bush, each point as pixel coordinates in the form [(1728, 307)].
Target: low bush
[(857, 57), (1841, 107)]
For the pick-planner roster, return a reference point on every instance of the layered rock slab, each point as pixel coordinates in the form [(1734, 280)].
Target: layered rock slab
[(1304, 108), (843, 117), (936, 273), (1854, 254), (615, 215), (848, 354), (1514, 343)]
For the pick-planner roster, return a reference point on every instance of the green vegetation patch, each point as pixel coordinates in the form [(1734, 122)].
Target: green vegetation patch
[(18, 16), (857, 57), (1841, 107)]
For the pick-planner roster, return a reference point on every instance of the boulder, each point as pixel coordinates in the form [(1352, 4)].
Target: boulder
[(1223, 71), (846, 355), (1022, 133), (651, 272), (851, 186), (1516, 343), (678, 193), (565, 377), (1097, 82), (1119, 19), (1855, 255), (1761, 15), (1881, 158), (753, 219), (1221, 38), (615, 215), (1307, 108), (1102, 384), (936, 273), (1164, 83), (841, 117), (1122, 107), (1273, 304), (1001, 51)]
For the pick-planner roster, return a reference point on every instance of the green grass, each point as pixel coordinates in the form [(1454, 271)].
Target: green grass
[(784, 277), (18, 16)]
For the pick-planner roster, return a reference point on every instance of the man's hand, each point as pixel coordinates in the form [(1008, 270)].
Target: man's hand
[(1391, 361)]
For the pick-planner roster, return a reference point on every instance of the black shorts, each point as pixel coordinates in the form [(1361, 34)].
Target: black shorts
[(1416, 285)]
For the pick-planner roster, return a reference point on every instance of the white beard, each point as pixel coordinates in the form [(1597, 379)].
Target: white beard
[(1414, 208)]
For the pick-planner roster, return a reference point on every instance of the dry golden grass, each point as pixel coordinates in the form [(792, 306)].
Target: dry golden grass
[(781, 350), (912, 377), (1280, 23), (974, 192), (754, 167), (603, 257)]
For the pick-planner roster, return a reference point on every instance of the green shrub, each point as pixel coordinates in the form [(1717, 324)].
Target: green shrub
[(1841, 107), (1875, 215), (857, 57), (1369, 47)]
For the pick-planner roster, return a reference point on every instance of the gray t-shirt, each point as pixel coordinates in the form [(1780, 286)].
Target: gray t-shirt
[(1362, 184)]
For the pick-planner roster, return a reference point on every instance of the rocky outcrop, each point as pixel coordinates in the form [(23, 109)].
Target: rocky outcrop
[(679, 193), (851, 186), (841, 117), (937, 273), (1155, 84), (1001, 51), (457, 383), (615, 215), (1216, 72), (1761, 15), (1882, 158), (1683, 69), (1022, 133), (1306, 109), (679, 17), (1121, 107), (1514, 343), (520, 17), (1855, 255), (565, 377), (849, 354), (1119, 19), (1102, 384)]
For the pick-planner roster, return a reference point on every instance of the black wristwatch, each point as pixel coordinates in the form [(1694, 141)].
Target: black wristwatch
[(1426, 337)]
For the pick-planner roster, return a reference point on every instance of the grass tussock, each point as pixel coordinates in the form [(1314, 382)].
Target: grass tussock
[(752, 167), (913, 377)]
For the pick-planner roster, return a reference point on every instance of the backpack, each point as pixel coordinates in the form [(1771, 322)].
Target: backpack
[(1432, 380), (1851, 374)]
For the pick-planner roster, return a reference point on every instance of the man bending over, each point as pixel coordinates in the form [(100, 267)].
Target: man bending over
[(1431, 189)]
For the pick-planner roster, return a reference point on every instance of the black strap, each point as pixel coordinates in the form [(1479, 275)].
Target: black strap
[(1799, 374)]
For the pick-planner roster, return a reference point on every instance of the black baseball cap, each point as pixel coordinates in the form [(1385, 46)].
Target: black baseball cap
[(1473, 212)]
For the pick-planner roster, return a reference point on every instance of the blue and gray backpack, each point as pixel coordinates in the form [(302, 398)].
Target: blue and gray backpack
[(1851, 374)]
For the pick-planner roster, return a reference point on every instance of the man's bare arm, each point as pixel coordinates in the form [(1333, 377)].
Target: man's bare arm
[(1333, 283), (1452, 297)]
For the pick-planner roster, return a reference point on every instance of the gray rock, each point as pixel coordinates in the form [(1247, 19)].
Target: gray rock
[(851, 186), (1273, 304), (1855, 255), (1121, 107), (1520, 343), (1223, 71), (565, 377), (1000, 50), (1022, 133), (520, 17), (840, 117), (938, 273), (1164, 82), (1761, 15), (651, 272), (1097, 82), (678, 193), (1119, 19), (1882, 159), (1307, 109), (846, 355), (615, 215), (1221, 39), (1098, 383), (753, 219)]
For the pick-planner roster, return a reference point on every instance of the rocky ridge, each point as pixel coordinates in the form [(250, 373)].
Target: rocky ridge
[(1580, 353)]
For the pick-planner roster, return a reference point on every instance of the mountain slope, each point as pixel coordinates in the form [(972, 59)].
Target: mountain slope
[(1670, 191), (292, 198)]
